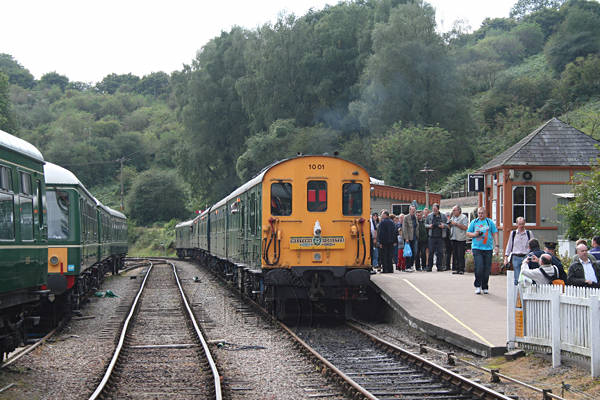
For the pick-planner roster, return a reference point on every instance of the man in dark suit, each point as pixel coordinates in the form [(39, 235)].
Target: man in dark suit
[(386, 237), (584, 272)]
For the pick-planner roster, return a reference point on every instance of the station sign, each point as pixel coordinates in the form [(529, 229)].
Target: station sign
[(476, 182)]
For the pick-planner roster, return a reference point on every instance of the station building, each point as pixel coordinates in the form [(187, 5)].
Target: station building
[(528, 179), (397, 200)]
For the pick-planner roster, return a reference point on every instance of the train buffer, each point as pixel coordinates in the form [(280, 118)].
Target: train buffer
[(446, 307)]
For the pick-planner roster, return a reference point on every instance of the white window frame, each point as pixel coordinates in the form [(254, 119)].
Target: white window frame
[(514, 217)]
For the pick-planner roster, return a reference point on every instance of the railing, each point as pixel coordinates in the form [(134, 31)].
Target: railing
[(555, 319)]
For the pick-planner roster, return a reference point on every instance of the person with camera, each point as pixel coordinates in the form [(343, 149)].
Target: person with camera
[(436, 225), (517, 247), (484, 234)]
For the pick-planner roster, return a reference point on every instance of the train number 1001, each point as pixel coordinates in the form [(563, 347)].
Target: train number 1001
[(316, 166)]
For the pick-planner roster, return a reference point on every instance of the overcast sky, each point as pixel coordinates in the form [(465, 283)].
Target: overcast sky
[(89, 39)]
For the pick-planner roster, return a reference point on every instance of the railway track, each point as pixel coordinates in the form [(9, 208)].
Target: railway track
[(161, 352), (373, 368)]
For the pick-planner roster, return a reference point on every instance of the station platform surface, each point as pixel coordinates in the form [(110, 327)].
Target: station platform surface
[(445, 306)]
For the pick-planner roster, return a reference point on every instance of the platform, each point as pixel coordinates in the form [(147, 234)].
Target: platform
[(445, 306)]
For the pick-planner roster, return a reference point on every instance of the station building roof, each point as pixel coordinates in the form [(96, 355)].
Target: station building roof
[(555, 143)]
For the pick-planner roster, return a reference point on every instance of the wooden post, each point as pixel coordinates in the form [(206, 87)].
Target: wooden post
[(555, 312), (510, 310), (595, 335)]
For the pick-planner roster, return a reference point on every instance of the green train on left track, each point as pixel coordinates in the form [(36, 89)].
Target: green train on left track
[(57, 241)]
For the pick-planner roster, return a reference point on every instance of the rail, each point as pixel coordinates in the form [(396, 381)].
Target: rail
[(126, 325)]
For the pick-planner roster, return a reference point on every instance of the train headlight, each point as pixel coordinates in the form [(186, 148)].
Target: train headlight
[(54, 260), (317, 229)]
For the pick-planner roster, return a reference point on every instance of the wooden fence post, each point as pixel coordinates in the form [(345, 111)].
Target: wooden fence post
[(510, 310), (555, 313), (595, 335)]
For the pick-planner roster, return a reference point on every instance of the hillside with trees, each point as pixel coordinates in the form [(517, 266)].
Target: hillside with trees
[(372, 79)]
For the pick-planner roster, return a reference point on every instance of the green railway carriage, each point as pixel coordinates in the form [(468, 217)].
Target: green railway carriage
[(80, 236), (23, 237), (184, 234)]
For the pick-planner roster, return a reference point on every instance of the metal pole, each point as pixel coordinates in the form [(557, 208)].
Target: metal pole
[(121, 160)]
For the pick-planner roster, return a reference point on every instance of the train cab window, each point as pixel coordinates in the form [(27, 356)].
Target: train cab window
[(25, 183), (281, 198), (57, 203), (26, 206), (352, 199), (316, 196), (5, 178), (7, 217)]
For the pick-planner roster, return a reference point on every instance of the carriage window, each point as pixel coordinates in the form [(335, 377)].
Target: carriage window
[(25, 183), (5, 178), (26, 205), (281, 198), (316, 196), (57, 203), (7, 216), (352, 199)]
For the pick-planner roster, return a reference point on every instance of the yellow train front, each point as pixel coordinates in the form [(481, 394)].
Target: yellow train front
[(296, 237)]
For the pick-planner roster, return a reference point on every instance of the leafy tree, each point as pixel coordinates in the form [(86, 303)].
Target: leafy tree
[(410, 76), (54, 79), (531, 37), (7, 120), (402, 152), (214, 120), (156, 195), (582, 214), (577, 36), (155, 84), (580, 80), (284, 140), (524, 7), (17, 75), (113, 82)]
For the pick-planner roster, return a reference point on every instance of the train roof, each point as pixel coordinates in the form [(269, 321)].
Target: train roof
[(20, 146), (57, 175), (185, 223), (115, 213), (258, 178)]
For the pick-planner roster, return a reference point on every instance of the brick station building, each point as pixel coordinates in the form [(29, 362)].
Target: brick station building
[(527, 179), (397, 200)]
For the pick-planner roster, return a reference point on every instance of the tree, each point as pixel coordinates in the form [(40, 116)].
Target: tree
[(582, 214), (54, 79), (284, 140), (577, 36), (524, 7), (155, 84), (113, 82), (17, 75), (7, 120), (409, 77), (580, 81), (156, 195)]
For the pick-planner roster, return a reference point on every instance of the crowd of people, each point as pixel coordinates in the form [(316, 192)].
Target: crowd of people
[(424, 239)]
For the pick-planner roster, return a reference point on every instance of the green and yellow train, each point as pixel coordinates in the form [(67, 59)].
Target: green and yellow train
[(294, 237), (56, 240)]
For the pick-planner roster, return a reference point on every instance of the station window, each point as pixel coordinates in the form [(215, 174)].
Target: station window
[(7, 217), (281, 198), (524, 203), (5, 178), (26, 205), (25, 183), (398, 209), (352, 199), (316, 196)]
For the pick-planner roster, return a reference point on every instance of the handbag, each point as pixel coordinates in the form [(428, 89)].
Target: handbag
[(407, 250)]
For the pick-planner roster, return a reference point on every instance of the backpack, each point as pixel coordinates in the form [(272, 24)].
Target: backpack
[(512, 237)]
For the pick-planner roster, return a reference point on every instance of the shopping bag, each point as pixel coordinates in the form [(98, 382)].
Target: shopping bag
[(407, 250)]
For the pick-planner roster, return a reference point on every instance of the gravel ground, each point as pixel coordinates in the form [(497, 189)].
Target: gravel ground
[(258, 361), (71, 364)]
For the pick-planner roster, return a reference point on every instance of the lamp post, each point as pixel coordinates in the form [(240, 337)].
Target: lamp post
[(426, 170)]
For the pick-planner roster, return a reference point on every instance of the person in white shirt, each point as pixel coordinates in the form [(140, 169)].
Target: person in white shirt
[(584, 272), (517, 247)]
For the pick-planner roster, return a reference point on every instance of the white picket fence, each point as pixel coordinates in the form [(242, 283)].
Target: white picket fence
[(556, 320)]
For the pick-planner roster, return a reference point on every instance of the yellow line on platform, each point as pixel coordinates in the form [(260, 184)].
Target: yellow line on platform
[(449, 314)]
